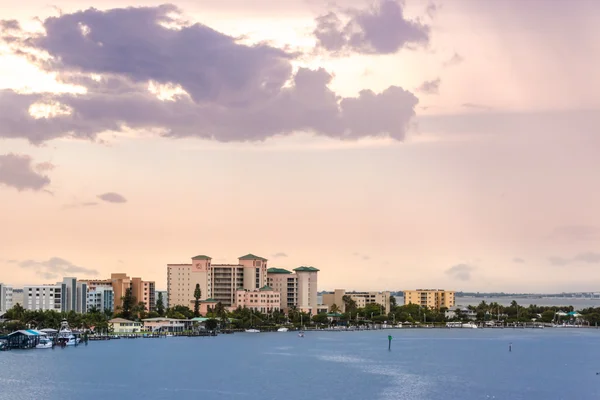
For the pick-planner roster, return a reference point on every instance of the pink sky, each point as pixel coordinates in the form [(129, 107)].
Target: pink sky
[(449, 144)]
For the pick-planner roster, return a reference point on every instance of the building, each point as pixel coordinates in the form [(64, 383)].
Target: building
[(264, 300), (165, 298), (361, 299), (121, 325), (144, 291), (431, 298), (44, 297), (101, 298), (297, 289), (6, 298), (17, 297), (74, 295), (217, 281), (458, 311), (166, 324)]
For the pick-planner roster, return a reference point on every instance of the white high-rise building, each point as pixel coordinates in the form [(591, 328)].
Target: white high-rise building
[(297, 289), (44, 297), (6, 298)]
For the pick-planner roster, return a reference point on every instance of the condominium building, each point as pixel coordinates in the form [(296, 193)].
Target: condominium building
[(431, 298), (6, 298), (296, 289), (17, 297), (143, 291), (101, 298), (44, 297), (265, 299), (75, 295), (217, 281), (360, 298)]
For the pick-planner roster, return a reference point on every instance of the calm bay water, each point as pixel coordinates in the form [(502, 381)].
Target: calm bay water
[(423, 364)]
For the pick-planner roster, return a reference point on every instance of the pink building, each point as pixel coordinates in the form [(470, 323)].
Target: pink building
[(264, 299)]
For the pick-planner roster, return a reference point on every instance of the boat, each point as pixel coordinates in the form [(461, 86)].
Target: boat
[(469, 325), (170, 335), (282, 329), (45, 343), (252, 331), (301, 334), (65, 336)]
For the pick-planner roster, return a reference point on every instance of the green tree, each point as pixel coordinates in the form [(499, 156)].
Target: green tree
[(211, 324), (320, 318), (160, 305), (334, 308), (349, 303), (129, 302), (197, 295)]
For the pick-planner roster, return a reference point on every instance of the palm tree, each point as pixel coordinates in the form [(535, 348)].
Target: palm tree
[(334, 308)]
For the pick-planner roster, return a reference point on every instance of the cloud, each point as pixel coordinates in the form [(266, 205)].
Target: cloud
[(431, 9), (587, 258), (476, 106), (380, 29), (55, 268), (80, 204), (187, 82), (17, 171), (44, 166), (461, 272), (454, 60), (112, 198), (279, 255), (362, 256), (430, 87), (518, 260), (576, 232)]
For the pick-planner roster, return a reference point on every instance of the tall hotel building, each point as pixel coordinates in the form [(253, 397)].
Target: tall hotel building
[(218, 282), (298, 288)]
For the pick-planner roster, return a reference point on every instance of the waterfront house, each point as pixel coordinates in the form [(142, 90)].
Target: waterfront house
[(454, 312), (121, 325), (161, 324)]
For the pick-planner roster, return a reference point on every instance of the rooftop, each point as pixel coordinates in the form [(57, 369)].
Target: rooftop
[(266, 288), (306, 269), (278, 271), (201, 257), (252, 257)]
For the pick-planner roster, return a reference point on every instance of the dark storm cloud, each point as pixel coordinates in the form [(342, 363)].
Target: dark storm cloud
[(380, 29), (236, 92), (18, 171)]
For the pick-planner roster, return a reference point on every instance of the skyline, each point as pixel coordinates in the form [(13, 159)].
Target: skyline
[(389, 146)]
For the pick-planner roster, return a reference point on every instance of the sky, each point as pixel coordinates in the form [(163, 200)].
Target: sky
[(391, 144)]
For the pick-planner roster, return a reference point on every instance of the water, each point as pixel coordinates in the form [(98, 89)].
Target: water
[(423, 364)]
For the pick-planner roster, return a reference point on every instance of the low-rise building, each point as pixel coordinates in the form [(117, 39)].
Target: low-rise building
[(161, 324), (431, 298), (458, 311), (264, 300), (121, 325), (360, 298)]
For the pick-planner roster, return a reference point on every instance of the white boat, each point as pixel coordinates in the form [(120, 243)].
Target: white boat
[(301, 334), (469, 325), (252, 331), (44, 343), (65, 335), (170, 335), (282, 329)]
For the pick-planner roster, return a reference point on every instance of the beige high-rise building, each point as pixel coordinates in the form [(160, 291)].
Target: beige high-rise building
[(143, 291), (360, 298), (432, 298), (219, 282), (298, 289)]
